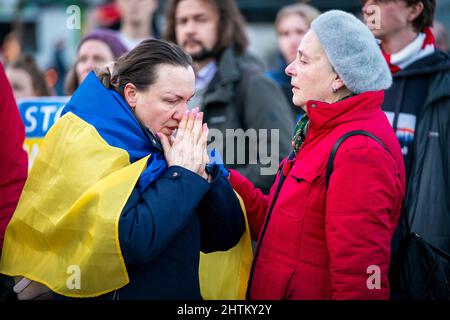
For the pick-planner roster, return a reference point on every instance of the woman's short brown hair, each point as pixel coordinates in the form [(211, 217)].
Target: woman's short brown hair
[(139, 66)]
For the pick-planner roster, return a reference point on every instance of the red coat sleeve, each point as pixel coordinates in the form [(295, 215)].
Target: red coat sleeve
[(363, 194), (14, 161), (254, 200)]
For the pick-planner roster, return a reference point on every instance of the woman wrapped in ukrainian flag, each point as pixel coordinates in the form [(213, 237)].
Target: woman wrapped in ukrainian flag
[(116, 207)]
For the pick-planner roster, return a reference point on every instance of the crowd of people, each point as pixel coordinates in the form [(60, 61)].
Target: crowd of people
[(126, 190)]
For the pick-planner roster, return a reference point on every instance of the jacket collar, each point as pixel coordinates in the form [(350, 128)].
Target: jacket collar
[(228, 66), (227, 72), (437, 62), (324, 115), (154, 141)]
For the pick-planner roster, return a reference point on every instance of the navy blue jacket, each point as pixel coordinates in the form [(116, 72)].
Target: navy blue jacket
[(418, 106), (163, 230), (171, 214)]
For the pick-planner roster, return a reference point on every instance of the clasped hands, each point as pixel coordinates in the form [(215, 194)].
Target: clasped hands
[(188, 148)]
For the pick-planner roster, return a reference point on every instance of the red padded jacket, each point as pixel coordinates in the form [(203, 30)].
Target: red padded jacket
[(319, 243)]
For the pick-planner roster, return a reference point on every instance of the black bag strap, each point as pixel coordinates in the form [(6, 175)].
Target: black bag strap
[(403, 222), (338, 144)]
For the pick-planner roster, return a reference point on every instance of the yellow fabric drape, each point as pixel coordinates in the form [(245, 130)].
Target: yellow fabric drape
[(224, 275), (67, 217), (67, 220)]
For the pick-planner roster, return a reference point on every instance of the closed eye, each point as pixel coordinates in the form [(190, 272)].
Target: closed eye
[(171, 100), (192, 97)]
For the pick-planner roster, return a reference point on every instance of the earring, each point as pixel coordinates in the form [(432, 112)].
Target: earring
[(334, 89)]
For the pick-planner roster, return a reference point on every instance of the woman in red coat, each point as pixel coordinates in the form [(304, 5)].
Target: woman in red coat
[(330, 242)]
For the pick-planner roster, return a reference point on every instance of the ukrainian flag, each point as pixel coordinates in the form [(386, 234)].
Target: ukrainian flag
[(68, 214)]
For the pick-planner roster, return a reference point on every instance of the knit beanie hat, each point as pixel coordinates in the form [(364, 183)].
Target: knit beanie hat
[(109, 38), (353, 51)]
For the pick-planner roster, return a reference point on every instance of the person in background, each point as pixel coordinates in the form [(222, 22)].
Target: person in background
[(96, 49), (291, 24), (440, 35), (320, 231), (137, 21), (56, 70), (231, 87), (13, 166), (26, 79), (418, 107), (11, 48)]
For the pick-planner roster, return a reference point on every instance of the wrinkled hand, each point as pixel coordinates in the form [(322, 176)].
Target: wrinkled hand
[(188, 148)]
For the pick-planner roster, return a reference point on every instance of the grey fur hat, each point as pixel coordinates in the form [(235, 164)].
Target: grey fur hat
[(352, 51)]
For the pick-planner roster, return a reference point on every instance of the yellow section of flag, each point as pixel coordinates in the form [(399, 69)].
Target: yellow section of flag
[(224, 275)]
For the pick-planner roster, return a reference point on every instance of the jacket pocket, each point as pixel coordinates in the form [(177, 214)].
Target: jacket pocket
[(313, 183), (303, 173), (299, 192)]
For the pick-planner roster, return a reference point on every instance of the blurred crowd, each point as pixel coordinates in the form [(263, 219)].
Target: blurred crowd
[(118, 26)]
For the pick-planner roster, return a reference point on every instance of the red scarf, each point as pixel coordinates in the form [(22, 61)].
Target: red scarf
[(422, 46)]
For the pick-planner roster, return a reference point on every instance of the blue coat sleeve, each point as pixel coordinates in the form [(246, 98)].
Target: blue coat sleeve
[(221, 218), (149, 221)]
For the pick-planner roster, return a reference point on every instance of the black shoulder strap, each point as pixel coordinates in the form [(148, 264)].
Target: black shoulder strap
[(338, 144)]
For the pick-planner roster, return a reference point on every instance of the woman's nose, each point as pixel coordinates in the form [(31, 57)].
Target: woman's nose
[(290, 69), (180, 111)]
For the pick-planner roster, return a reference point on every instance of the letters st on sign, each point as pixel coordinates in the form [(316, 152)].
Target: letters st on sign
[(38, 116)]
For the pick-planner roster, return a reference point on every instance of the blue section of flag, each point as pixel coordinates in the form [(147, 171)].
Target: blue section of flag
[(108, 112)]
